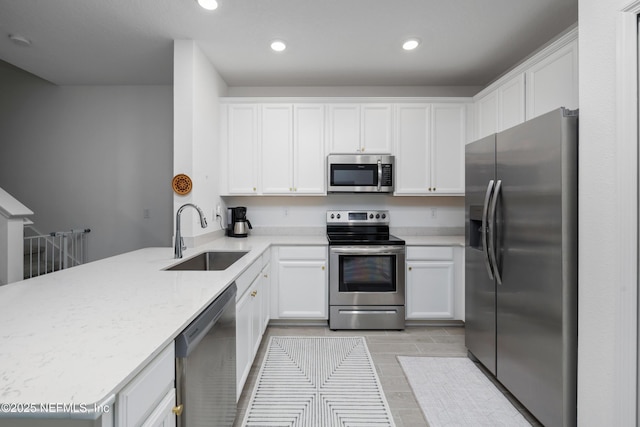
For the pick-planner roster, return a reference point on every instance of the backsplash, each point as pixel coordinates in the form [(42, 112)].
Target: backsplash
[(414, 215)]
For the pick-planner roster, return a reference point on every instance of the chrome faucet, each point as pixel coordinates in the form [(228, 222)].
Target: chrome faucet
[(179, 246)]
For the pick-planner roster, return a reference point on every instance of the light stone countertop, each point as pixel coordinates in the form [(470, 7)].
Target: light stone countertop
[(80, 335), (433, 240)]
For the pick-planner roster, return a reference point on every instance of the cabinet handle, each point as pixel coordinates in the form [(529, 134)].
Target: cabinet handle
[(410, 268), (266, 276), (295, 189), (177, 409), (323, 267), (429, 188), (362, 149), (434, 188), (254, 293), (254, 188)]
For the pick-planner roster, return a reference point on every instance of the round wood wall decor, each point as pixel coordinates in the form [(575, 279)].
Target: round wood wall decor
[(182, 184)]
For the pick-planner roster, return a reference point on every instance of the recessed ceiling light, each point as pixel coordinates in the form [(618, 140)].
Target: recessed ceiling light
[(208, 4), (410, 44), (278, 45)]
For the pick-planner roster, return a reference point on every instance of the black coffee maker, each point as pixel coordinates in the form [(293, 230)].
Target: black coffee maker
[(237, 223)]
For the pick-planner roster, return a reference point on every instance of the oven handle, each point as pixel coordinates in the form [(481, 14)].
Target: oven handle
[(360, 250), (360, 311)]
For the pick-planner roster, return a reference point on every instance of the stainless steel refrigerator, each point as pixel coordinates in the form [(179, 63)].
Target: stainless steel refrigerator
[(521, 270)]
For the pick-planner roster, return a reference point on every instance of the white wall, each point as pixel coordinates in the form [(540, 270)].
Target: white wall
[(197, 89), (89, 156), (600, 384)]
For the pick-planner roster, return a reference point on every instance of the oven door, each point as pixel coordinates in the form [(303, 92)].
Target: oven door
[(366, 275)]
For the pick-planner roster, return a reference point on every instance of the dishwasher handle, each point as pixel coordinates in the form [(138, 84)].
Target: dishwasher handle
[(188, 339)]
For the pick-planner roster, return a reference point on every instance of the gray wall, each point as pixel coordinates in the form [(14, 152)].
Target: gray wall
[(89, 156)]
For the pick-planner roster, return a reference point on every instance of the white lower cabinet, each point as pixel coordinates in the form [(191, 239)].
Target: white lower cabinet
[(150, 397), (163, 416), (250, 317), (300, 286), (265, 312), (434, 282)]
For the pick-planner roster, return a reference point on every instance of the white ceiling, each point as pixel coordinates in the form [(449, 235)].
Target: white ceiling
[(330, 42)]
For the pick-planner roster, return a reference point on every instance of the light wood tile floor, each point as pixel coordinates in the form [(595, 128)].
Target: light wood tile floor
[(384, 346)]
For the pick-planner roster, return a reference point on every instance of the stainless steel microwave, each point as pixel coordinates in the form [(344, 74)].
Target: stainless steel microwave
[(360, 173)]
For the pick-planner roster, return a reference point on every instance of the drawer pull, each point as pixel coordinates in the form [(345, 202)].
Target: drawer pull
[(254, 293), (178, 409)]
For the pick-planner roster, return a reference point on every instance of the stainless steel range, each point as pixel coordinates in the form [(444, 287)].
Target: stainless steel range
[(366, 271)]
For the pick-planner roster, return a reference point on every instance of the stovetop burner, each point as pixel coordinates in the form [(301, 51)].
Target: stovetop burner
[(360, 228)]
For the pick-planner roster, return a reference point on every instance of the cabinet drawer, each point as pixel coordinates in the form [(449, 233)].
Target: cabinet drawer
[(303, 252), (244, 280), (141, 396), (430, 252)]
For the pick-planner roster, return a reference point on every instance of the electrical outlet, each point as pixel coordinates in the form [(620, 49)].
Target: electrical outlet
[(286, 211), (434, 213), (218, 210), (146, 213)]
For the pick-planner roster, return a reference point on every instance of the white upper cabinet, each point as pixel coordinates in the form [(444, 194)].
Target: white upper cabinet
[(501, 108), (448, 137), (288, 140), (277, 148), (544, 82), (430, 142), (413, 166), (487, 114), (553, 81), (360, 128), (292, 147), (511, 97), (242, 149), (309, 153)]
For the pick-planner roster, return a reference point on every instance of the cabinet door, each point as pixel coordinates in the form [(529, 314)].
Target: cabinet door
[(242, 149), (302, 289), (413, 170), (487, 115), (448, 135), (257, 294), (344, 128), (309, 159), (511, 103), (277, 149), (430, 289), (265, 312), (163, 415), (244, 339), (376, 128), (553, 82)]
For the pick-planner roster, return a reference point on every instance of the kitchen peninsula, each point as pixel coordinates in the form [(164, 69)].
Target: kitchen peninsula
[(72, 340)]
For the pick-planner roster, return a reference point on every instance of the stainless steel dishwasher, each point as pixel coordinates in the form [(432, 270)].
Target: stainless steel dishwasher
[(206, 366)]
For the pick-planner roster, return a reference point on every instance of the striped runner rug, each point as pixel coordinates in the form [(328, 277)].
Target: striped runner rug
[(318, 382)]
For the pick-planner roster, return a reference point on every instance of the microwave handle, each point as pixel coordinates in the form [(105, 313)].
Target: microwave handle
[(379, 175)]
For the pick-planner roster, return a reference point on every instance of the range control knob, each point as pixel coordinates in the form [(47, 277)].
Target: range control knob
[(370, 216), (332, 216), (384, 216), (338, 216), (377, 216)]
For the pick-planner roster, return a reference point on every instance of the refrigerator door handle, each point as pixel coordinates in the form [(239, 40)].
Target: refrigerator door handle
[(485, 210), (492, 225)]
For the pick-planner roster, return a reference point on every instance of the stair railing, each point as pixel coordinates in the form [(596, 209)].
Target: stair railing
[(55, 251)]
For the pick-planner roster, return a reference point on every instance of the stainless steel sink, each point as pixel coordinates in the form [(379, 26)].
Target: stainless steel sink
[(209, 261)]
